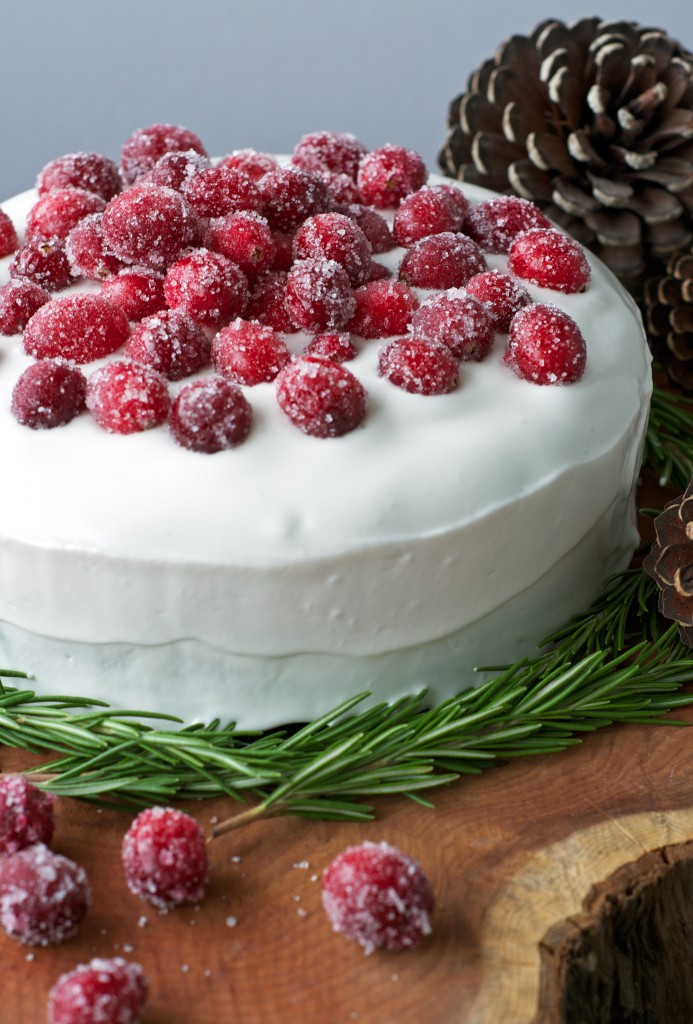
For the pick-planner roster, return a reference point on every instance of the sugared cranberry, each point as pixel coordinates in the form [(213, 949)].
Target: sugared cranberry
[(147, 145), (90, 171), (221, 190), (501, 294), (43, 896), (137, 290), (80, 327), (337, 347), (290, 195), (87, 251), (9, 242), (383, 308), (546, 346), (284, 250), (341, 187), (171, 343), (174, 170), (19, 300), (389, 174), (245, 238), (332, 236), (340, 152), (321, 397), (318, 295), (456, 196), (250, 353), (426, 212), (496, 222), (125, 397), (255, 165), (549, 259), (268, 303), (165, 858), (458, 321), (210, 415), (378, 271), (446, 260), (56, 213), (207, 286), (418, 366), (379, 896), (26, 814), (48, 394), (374, 227), (149, 225), (43, 261), (100, 992)]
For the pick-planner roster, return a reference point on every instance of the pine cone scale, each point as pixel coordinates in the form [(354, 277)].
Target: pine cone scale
[(670, 563)]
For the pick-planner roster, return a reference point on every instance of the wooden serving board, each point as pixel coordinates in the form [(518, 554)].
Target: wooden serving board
[(510, 854)]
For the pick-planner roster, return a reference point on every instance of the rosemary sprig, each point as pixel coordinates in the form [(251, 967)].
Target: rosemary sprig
[(669, 439)]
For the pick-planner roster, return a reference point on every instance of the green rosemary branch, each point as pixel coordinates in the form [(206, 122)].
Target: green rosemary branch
[(669, 439)]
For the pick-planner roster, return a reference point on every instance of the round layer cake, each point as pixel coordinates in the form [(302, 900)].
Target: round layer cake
[(267, 583)]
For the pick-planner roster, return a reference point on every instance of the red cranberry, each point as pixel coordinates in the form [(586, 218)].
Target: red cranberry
[(318, 295), (549, 259), (420, 367), (423, 213), (92, 172), (48, 394), (374, 227), (9, 242), (26, 814), (147, 145), (207, 286), (245, 238), (458, 321), (383, 308), (139, 292), (247, 352), (389, 174), (149, 225), (210, 415), (496, 222), (165, 858), (221, 190), (501, 294), (125, 397), (43, 261), (100, 992), (456, 196), (81, 327), (332, 236), (546, 346), (268, 303), (379, 896), (19, 300), (175, 170), (321, 397), (442, 261), (378, 272), (284, 250), (339, 152), (87, 251), (341, 187), (290, 195), (171, 343), (255, 165), (56, 213), (337, 347), (43, 896)]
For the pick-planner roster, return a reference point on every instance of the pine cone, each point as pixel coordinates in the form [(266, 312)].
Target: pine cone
[(670, 563), (594, 122), (668, 312)]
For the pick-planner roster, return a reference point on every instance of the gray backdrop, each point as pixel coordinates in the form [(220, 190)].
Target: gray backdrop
[(83, 74)]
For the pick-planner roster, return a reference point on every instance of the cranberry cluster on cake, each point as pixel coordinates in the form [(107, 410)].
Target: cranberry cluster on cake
[(426, 407)]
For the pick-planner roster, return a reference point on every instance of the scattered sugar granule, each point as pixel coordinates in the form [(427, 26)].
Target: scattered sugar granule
[(303, 865), (143, 921), (185, 968), (235, 859), (128, 948), (231, 921)]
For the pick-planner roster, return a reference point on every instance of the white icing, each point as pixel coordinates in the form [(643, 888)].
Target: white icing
[(302, 563)]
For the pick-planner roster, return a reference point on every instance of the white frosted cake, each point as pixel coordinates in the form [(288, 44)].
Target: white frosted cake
[(269, 582)]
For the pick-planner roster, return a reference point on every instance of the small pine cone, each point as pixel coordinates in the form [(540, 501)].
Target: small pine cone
[(668, 313), (594, 123), (670, 563)]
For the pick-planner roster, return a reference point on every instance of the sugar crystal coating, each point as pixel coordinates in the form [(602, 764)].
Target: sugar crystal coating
[(43, 896), (374, 227), (93, 172), (149, 225), (146, 146), (339, 152), (503, 296), (333, 236), (268, 302), (383, 308), (210, 416), (171, 343), (388, 174), (422, 213), (165, 858), (255, 165), (290, 195), (418, 366), (336, 346), (209, 287), (244, 237), (43, 261), (321, 397), (379, 896), (446, 260), (138, 291), (175, 170), (49, 394), (103, 991), (9, 242), (247, 352), (458, 321), (56, 213), (496, 222), (546, 346), (549, 259), (87, 250), (26, 814), (318, 295), (82, 327), (218, 191), (20, 298), (125, 397)]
